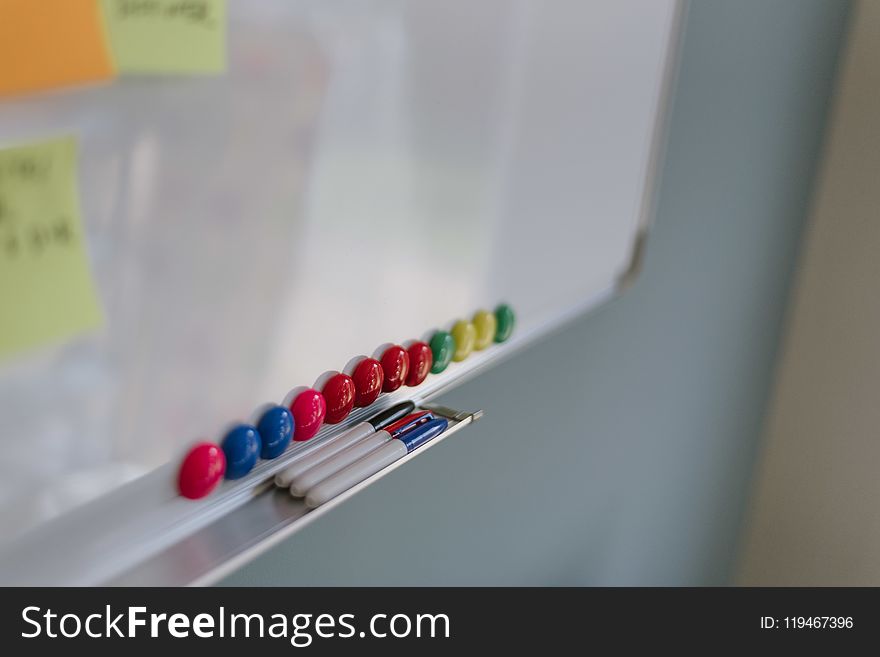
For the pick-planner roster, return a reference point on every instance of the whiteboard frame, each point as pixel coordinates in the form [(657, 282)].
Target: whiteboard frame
[(122, 536)]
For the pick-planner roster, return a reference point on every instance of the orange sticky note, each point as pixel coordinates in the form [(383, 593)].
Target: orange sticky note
[(51, 43)]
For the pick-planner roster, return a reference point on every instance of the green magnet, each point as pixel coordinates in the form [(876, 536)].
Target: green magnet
[(506, 319), (442, 347)]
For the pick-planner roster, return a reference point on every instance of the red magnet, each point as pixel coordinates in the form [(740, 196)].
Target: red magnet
[(368, 378), (339, 394), (420, 360), (395, 365), (308, 410), (202, 469)]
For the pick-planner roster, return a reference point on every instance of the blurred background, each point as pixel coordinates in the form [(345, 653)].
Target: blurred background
[(718, 423)]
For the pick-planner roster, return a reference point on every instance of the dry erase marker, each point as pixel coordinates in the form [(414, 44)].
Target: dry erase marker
[(342, 441), (409, 422), (303, 482), (370, 464)]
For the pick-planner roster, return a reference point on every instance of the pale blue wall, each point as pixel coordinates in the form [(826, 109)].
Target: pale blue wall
[(620, 451)]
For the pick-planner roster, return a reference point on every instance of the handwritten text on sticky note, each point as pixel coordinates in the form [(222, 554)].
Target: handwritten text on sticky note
[(167, 36), (46, 288)]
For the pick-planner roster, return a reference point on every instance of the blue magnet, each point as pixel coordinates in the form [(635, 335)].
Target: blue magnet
[(242, 449), (276, 430)]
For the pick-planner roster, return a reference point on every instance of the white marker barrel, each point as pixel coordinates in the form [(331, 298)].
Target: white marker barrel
[(335, 445), (355, 473), (301, 484)]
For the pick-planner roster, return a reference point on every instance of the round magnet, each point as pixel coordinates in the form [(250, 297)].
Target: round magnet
[(465, 335), (486, 327), (442, 347), (276, 431), (241, 446), (368, 377), (339, 392), (395, 366), (201, 470), (505, 319), (308, 409), (420, 361)]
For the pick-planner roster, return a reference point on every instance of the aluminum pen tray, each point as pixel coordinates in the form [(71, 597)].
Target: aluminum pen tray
[(269, 517)]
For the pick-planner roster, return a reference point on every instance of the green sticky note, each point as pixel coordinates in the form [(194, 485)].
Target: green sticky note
[(167, 36), (46, 288)]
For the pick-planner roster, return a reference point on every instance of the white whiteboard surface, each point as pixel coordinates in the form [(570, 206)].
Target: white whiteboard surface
[(364, 172)]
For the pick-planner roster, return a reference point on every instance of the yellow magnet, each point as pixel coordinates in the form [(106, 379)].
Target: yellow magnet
[(464, 335), (486, 325)]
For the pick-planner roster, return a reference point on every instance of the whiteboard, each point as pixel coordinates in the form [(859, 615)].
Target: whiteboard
[(364, 172)]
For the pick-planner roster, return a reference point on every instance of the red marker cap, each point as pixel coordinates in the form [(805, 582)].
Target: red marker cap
[(338, 392), (411, 420), (420, 360), (308, 409), (202, 469), (368, 377), (395, 365)]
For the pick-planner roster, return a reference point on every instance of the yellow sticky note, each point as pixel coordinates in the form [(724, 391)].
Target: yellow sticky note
[(167, 36), (51, 43), (46, 288)]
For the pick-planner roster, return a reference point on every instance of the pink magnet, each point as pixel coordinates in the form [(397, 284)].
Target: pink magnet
[(202, 469), (308, 409)]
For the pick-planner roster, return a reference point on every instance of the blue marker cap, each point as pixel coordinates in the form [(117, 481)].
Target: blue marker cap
[(276, 430), (423, 433), (242, 449)]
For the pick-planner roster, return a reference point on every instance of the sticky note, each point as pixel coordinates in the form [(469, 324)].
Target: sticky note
[(51, 43), (46, 288), (167, 36)]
